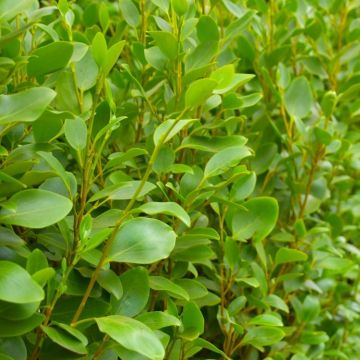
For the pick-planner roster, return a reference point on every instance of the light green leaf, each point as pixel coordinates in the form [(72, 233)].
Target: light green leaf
[(25, 106), (266, 320), (9, 8), (263, 336), (76, 133), (17, 286), (256, 219), (160, 283), (10, 328), (49, 58), (108, 280), (171, 126), (65, 339), (130, 12), (132, 335), (166, 42), (142, 241), (157, 320), (199, 91), (193, 322), (225, 159), (35, 209), (286, 255), (123, 191), (112, 56), (99, 48), (168, 208), (212, 144), (298, 97)]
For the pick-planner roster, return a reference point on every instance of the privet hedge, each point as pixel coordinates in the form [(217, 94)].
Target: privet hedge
[(179, 179)]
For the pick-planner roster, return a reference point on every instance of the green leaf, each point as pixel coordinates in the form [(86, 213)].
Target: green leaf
[(298, 97), (136, 292), (17, 286), (142, 241), (132, 335), (25, 106), (171, 128), (257, 219), (286, 255), (160, 283), (263, 336), (49, 58), (112, 56), (243, 187), (193, 322), (166, 42), (225, 159), (212, 144), (10, 328), (99, 48), (9, 8), (35, 209), (130, 12), (227, 80), (108, 280), (180, 6), (266, 320), (76, 133), (64, 339), (123, 191), (9, 238), (207, 29), (168, 208), (199, 91), (157, 320)]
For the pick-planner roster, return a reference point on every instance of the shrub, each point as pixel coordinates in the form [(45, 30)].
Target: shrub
[(179, 179)]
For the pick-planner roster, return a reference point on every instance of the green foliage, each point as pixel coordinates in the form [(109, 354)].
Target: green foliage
[(179, 179)]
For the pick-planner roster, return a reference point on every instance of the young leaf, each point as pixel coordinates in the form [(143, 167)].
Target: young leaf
[(76, 133), (166, 42)]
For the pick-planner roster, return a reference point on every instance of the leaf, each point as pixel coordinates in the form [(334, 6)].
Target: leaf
[(168, 208), (17, 286), (49, 58), (266, 320), (256, 219), (225, 159), (25, 106), (130, 12), (76, 133), (212, 144), (199, 91), (169, 128), (112, 56), (132, 335), (142, 241), (64, 339), (193, 322), (180, 6), (243, 187), (10, 328), (286, 255), (207, 29), (123, 191), (263, 336), (136, 292), (9, 238), (298, 97), (166, 42), (108, 280), (99, 48), (157, 320), (9, 8), (35, 209), (160, 283)]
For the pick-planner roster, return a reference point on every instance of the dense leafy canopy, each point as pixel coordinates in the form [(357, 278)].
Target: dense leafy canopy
[(179, 179)]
